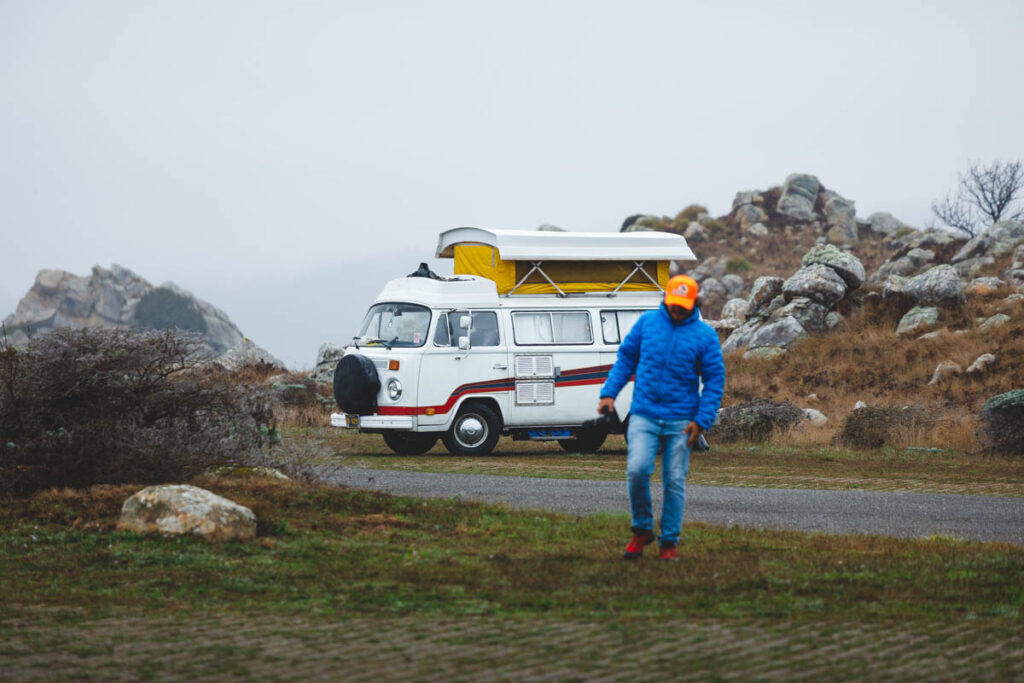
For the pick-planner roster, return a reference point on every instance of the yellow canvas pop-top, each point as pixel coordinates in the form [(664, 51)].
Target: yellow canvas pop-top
[(542, 262)]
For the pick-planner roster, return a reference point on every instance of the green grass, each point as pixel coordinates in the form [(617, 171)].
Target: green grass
[(333, 552)]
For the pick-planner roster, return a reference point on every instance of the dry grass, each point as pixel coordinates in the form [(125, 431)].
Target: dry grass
[(864, 360)]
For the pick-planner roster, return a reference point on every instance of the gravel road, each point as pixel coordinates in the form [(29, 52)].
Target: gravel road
[(905, 515)]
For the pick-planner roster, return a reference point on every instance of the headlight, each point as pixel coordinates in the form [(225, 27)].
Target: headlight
[(394, 389)]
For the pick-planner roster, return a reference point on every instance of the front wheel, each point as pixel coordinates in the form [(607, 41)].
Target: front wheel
[(410, 443), (475, 431)]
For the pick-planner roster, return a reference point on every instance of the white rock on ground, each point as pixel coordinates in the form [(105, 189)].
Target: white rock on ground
[(179, 509)]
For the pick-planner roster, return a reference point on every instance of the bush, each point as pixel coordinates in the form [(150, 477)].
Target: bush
[(80, 407), (755, 420), (737, 265), (1002, 420), (874, 427)]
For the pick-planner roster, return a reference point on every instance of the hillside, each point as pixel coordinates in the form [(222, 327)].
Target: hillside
[(918, 319)]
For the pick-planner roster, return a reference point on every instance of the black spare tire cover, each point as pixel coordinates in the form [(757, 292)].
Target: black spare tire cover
[(356, 385)]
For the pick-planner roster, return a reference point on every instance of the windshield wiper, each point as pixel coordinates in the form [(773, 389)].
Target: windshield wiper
[(355, 342), (370, 342)]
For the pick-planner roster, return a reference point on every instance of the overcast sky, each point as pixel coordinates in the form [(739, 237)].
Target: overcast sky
[(283, 159)]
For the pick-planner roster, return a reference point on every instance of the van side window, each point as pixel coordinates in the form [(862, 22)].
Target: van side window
[(615, 325), (483, 333), (552, 327)]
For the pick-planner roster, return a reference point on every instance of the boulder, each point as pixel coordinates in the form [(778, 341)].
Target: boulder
[(1002, 420), (710, 267), (247, 353), (748, 215), (937, 285), (818, 282), (799, 194), (695, 232), (1001, 238), (917, 319), (984, 286), (758, 230), (179, 509), (997, 320), (909, 264), (809, 313), (885, 223), (839, 215), (735, 308), (733, 284), (764, 352), (815, 417), (747, 197), (713, 295), (763, 290), (740, 337), (327, 357), (944, 371), (780, 333), (981, 364), (846, 265)]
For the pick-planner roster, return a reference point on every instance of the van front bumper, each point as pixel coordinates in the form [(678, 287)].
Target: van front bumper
[(372, 421)]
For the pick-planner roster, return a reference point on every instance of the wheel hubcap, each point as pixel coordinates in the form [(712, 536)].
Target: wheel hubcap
[(470, 430)]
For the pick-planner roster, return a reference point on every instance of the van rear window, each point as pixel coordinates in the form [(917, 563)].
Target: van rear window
[(552, 327)]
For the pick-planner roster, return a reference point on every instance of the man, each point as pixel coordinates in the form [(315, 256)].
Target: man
[(670, 351)]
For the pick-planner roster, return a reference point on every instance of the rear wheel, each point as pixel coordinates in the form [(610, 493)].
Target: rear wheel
[(585, 441), (410, 443), (475, 431)]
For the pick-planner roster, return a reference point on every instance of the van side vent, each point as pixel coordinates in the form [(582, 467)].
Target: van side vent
[(535, 393), (535, 366)]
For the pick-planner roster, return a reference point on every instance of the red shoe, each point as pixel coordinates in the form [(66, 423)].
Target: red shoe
[(636, 547), (668, 552)]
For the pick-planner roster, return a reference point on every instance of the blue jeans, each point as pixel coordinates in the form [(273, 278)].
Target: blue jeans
[(646, 437)]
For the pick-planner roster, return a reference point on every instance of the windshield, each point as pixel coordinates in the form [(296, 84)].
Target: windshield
[(395, 325)]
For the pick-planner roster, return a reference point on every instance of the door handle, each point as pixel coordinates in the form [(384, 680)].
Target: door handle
[(500, 366)]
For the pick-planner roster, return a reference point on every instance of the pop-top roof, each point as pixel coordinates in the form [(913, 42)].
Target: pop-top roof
[(542, 245)]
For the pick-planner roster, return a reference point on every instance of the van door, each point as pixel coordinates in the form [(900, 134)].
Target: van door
[(450, 374), (555, 364)]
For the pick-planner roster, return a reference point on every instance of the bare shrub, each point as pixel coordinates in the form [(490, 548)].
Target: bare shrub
[(1003, 422), (80, 407), (755, 420), (877, 426)]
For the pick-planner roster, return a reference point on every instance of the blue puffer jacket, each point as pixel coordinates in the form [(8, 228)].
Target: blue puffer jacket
[(668, 359)]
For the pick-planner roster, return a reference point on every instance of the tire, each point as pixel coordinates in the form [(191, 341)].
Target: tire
[(585, 441), (410, 443), (356, 385), (475, 431)]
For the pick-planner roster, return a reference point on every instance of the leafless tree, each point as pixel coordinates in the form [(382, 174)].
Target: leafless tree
[(984, 196)]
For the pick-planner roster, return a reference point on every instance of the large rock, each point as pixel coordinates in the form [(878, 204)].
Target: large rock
[(764, 289), (781, 333), (917, 319), (327, 357), (885, 223), (937, 285), (840, 215), (245, 353), (907, 265), (180, 509), (818, 282), (846, 265), (748, 215), (740, 337), (115, 298), (799, 193), (1001, 238), (810, 314)]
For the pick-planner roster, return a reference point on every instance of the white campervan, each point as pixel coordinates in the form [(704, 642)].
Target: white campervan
[(518, 342)]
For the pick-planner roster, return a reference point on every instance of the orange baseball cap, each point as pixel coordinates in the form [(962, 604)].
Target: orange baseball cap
[(681, 291)]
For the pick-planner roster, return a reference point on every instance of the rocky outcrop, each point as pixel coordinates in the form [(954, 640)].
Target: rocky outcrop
[(780, 312), (180, 509), (115, 298), (799, 194), (327, 357), (982, 250), (937, 285)]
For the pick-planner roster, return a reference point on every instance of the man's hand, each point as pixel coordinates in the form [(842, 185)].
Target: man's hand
[(694, 430), (606, 405)]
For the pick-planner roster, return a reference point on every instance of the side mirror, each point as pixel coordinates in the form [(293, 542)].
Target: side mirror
[(463, 343), (465, 322)]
